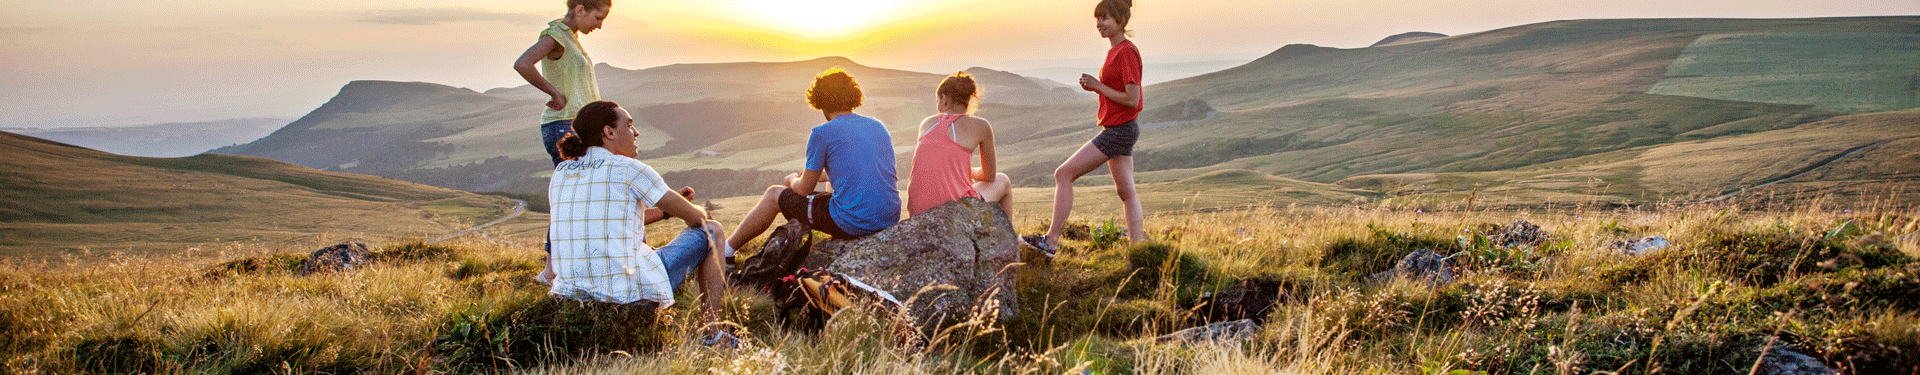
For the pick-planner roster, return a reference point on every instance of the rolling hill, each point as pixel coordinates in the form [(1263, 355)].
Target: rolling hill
[(61, 199), (1479, 108)]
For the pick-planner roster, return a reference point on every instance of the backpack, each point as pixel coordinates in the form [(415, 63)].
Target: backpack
[(778, 258)]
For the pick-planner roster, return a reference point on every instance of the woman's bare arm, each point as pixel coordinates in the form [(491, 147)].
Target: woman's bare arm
[(543, 48)]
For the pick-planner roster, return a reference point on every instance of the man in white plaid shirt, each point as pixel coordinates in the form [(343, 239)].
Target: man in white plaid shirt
[(599, 198)]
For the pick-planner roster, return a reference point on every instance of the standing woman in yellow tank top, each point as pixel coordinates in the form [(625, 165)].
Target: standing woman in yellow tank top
[(566, 74)]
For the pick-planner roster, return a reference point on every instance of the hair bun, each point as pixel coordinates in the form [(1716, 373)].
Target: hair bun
[(571, 147)]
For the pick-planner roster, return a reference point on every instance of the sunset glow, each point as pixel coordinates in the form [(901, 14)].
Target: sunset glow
[(821, 18), (199, 60)]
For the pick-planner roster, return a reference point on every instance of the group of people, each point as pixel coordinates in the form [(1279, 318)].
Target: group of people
[(601, 197)]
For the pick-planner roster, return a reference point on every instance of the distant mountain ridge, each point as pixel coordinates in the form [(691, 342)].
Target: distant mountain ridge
[(162, 140), (460, 138), (1510, 99)]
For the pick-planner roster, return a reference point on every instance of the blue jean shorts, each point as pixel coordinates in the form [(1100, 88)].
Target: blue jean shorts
[(684, 254), (551, 132)]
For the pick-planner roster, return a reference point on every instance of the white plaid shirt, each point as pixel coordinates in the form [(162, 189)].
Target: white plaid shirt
[(600, 250)]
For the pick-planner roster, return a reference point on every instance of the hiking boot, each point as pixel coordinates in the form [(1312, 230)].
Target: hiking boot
[(1039, 241)]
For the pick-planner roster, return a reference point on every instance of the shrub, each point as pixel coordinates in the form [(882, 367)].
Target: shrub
[(538, 328), (1357, 258), (1155, 265)]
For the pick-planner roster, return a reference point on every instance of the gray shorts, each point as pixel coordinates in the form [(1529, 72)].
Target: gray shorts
[(1116, 141)]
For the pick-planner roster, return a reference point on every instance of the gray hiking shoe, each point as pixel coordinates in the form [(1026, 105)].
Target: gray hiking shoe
[(1039, 241)]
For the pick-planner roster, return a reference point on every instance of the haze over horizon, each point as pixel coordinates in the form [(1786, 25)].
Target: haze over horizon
[(123, 63)]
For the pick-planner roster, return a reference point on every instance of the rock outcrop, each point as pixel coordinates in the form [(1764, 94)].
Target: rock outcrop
[(1640, 246), (943, 264), (1216, 333), (1519, 233), (344, 256), (1781, 361), (1420, 265)]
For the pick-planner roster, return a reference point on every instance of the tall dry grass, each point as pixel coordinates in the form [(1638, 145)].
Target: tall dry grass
[(1833, 282)]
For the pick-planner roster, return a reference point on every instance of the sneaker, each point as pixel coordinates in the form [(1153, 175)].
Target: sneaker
[(720, 339), (1039, 241)]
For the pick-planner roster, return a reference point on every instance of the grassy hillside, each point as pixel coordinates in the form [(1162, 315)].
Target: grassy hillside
[(1857, 159), (1837, 71), (63, 200), (1477, 108), (1487, 108), (1836, 285)]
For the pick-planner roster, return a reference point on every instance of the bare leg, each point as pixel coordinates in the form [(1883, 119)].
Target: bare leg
[(713, 280), (758, 219), (1122, 168), (546, 271), (1079, 164), (999, 190)]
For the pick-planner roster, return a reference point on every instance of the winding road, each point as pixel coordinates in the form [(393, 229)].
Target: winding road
[(519, 207)]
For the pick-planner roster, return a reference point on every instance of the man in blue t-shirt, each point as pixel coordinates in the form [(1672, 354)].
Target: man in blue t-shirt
[(854, 152)]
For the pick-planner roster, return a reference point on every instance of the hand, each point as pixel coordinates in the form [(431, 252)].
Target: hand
[(1087, 82), (686, 191), (558, 102)]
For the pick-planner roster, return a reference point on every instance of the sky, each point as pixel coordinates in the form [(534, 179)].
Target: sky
[(135, 62)]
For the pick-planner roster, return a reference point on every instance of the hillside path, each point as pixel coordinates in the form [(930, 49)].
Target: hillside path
[(519, 207), (1789, 176)]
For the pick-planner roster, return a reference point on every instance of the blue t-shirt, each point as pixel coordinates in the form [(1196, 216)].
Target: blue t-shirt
[(856, 154)]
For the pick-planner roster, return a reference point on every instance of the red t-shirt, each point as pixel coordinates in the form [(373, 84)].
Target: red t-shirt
[(1121, 69)]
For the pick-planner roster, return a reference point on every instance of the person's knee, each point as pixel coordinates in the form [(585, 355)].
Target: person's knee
[(1126, 193), (773, 193), (1001, 178), (1061, 174)]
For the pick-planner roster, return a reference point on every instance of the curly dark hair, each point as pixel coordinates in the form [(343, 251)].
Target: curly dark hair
[(834, 91)]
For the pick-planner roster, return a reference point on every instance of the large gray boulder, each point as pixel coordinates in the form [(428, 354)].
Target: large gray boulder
[(943, 264)]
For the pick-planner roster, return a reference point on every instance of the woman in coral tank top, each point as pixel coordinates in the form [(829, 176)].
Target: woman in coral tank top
[(942, 162)]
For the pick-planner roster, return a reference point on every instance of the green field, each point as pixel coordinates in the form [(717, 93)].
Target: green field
[(1853, 72)]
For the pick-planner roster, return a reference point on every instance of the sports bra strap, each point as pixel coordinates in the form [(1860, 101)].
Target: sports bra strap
[(947, 119)]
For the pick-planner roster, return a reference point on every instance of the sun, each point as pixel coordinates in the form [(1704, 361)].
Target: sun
[(822, 18)]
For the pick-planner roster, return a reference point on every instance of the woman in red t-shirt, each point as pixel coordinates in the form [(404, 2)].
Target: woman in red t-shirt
[(1120, 99)]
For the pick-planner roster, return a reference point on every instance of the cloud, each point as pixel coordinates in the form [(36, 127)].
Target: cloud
[(436, 16)]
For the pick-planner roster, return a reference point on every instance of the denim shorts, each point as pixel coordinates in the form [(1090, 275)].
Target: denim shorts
[(1116, 141), (684, 254), (551, 132)]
